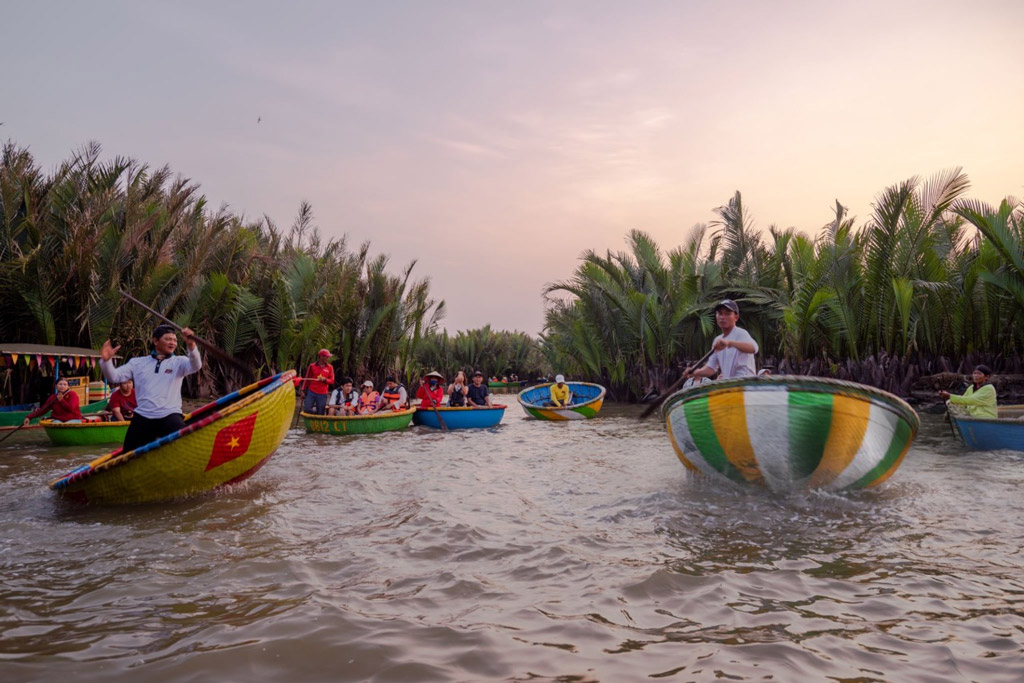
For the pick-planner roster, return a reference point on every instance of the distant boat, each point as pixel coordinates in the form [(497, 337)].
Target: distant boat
[(339, 425), (987, 434), (460, 418), (84, 433), (224, 442), (791, 433), (585, 401)]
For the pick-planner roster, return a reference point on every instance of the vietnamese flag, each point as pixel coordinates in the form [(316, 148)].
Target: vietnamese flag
[(232, 442)]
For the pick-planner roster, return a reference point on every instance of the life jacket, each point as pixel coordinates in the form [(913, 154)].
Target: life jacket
[(367, 402), (393, 396)]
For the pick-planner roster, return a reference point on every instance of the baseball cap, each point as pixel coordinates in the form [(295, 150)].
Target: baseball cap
[(368, 383), (560, 378), (728, 303), (324, 353)]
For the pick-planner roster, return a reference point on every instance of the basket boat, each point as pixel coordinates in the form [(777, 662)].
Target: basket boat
[(223, 443), (13, 416), (585, 401), (987, 434), (389, 421), (84, 433), (460, 417), (790, 433)]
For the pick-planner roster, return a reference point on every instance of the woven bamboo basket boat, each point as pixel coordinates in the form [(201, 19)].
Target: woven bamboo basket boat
[(791, 433), (84, 433), (387, 421), (223, 443), (585, 401), (456, 417)]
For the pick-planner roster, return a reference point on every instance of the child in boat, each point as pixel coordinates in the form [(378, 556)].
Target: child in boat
[(431, 391), (394, 396), (122, 403), (559, 393), (733, 351), (477, 393), (62, 406), (344, 399), (158, 379), (369, 400), (980, 398), (457, 390)]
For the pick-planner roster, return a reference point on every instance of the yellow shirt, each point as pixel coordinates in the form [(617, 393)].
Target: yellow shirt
[(980, 403), (560, 396)]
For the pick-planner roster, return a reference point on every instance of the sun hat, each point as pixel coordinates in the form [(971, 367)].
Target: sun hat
[(433, 373), (728, 303), (368, 383), (560, 379), (324, 353)]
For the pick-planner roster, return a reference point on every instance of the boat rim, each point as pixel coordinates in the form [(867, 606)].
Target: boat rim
[(824, 385), (50, 424), (344, 418)]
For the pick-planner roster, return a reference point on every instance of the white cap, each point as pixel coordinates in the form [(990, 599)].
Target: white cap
[(560, 379), (368, 383)]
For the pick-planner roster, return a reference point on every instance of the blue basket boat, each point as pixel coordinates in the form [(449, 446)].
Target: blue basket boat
[(459, 418), (986, 434)]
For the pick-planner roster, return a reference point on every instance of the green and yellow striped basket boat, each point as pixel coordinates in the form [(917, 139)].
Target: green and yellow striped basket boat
[(790, 433), (223, 443), (339, 425)]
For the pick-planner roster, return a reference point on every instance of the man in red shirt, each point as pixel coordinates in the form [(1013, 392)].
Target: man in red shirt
[(122, 403), (318, 379)]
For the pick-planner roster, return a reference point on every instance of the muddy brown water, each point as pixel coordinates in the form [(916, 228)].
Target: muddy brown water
[(533, 551)]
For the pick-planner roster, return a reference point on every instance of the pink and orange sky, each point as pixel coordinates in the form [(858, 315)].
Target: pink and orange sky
[(494, 142)]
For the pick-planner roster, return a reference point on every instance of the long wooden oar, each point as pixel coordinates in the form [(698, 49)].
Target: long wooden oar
[(8, 434), (213, 349), (440, 419), (675, 387)]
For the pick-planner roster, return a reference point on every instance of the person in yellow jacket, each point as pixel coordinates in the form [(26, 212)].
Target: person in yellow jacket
[(980, 398), (559, 393)]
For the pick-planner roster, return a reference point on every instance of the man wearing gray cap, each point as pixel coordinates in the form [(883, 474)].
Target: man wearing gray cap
[(733, 350)]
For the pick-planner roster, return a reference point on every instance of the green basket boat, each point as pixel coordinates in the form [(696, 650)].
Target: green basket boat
[(791, 433), (12, 419), (340, 425), (84, 433)]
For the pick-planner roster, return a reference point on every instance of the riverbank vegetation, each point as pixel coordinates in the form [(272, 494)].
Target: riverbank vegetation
[(931, 282), (70, 239)]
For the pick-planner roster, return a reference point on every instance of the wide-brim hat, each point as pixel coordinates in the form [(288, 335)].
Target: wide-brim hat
[(433, 373)]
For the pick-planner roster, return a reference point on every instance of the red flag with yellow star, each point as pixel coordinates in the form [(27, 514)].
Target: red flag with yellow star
[(232, 442)]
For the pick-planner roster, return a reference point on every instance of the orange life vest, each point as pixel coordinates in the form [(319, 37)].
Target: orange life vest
[(367, 402), (393, 396)]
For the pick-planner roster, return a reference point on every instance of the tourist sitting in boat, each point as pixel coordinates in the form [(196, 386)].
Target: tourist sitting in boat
[(122, 402), (560, 395), (158, 379), (317, 380), (733, 350), (394, 396), (980, 398), (431, 391), (369, 400), (62, 406), (344, 400), (477, 393), (457, 390)]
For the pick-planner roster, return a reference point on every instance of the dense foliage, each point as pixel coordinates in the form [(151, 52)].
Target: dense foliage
[(494, 353), (930, 274), (69, 240)]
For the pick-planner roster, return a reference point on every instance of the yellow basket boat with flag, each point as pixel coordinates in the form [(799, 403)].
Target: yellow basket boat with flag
[(223, 443), (791, 433)]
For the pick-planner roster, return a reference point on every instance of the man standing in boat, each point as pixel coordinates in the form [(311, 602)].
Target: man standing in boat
[(733, 350), (157, 379)]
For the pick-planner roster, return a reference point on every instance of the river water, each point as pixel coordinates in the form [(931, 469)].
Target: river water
[(534, 551)]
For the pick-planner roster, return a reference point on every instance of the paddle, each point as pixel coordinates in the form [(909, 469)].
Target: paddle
[(222, 355), (440, 419), (675, 387), (8, 434)]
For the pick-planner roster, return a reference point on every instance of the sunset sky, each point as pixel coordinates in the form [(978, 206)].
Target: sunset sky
[(494, 142)]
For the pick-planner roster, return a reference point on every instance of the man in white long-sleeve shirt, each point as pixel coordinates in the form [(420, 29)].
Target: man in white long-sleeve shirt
[(734, 349), (157, 378)]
